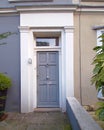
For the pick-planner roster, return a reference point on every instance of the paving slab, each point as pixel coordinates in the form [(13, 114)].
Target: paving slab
[(36, 121)]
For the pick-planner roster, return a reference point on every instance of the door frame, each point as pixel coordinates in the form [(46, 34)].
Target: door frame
[(29, 69), (58, 49)]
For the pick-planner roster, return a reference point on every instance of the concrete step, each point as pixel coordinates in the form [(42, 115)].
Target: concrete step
[(47, 109)]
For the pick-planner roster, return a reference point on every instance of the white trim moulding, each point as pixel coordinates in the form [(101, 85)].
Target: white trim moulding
[(10, 10), (30, 0), (21, 9), (90, 9)]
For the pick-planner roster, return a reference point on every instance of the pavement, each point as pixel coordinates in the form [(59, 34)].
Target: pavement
[(55, 120)]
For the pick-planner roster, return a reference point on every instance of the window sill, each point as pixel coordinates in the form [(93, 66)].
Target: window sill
[(47, 48)]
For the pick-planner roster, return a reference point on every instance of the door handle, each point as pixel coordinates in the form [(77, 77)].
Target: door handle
[(47, 77)]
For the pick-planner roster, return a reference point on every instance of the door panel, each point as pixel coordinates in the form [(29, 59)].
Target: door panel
[(48, 79)]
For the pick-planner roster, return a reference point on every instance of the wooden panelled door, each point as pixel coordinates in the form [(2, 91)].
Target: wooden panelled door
[(48, 79)]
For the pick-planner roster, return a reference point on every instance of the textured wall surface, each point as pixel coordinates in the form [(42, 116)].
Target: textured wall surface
[(85, 41), (5, 3), (10, 59)]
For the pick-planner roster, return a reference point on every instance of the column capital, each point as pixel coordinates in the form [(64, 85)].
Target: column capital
[(69, 29), (24, 29)]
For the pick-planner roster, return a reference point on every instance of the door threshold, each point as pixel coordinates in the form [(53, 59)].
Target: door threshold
[(47, 109)]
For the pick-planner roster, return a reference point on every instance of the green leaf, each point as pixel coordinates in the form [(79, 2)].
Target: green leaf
[(100, 104), (97, 48), (5, 82), (100, 111), (101, 36), (2, 97), (98, 62), (98, 84), (100, 56), (101, 114), (5, 35), (97, 68)]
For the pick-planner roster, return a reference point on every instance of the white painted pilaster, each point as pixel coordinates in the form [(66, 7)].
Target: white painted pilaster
[(25, 70), (63, 90), (69, 65)]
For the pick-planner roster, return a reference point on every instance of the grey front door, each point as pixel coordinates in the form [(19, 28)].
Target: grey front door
[(48, 79)]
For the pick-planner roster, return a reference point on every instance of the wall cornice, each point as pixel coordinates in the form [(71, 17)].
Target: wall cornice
[(38, 8), (52, 8), (30, 0), (46, 8), (86, 8), (7, 10)]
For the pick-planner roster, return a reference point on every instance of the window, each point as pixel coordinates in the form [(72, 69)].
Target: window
[(92, 0), (99, 32), (47, 41)]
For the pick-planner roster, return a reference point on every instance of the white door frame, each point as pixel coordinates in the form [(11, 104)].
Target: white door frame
[(36, 49), (61, 21), (28, 66)]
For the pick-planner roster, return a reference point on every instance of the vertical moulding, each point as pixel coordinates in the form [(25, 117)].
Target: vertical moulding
[(24, 50), (69, 58)]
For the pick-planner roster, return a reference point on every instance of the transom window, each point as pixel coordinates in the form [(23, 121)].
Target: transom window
[(47, 41)]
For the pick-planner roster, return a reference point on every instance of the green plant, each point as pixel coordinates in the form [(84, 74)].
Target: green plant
[(5, 35), (98, 61), (5, 82), (67, 127), (100, 111)]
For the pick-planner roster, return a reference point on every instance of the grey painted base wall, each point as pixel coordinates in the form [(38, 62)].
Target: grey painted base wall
[(6, 3), (10, 59), (79, 117)]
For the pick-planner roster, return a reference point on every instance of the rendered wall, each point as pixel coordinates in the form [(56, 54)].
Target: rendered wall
[(85, 40), (6, 3), (10, 59)]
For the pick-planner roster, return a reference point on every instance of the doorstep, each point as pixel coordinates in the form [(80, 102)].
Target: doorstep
[(47, 109)]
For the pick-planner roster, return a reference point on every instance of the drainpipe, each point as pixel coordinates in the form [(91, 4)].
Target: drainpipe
[(80, 50)]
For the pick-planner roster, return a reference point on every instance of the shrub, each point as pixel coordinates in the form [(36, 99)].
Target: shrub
[(5, 82)]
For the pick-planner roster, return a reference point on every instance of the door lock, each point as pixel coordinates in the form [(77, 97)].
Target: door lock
[(47, 77)]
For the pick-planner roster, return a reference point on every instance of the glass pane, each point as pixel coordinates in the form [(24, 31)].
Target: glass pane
[(46, 42)]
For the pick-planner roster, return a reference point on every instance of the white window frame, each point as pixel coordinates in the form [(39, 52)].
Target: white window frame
[(99, 32)]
